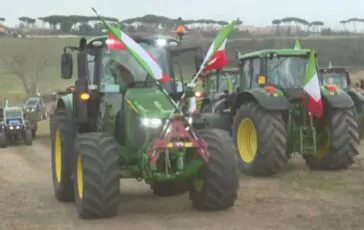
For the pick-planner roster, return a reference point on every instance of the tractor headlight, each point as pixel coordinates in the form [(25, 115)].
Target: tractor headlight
[(17, 127), (190, 120), (11, 127), (151, 122)]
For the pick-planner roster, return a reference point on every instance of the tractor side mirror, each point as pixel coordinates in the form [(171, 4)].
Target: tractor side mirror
[(198, 62), (66, 66)]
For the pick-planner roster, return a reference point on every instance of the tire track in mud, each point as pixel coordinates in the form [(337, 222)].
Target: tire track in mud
[(27, 196)]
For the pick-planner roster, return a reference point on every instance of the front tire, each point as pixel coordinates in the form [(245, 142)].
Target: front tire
[(62, 135), (216, 186), (337, 141), (96, 176), (260, 137)]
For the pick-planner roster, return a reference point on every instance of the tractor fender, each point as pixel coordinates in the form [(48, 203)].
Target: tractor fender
[(339, 101), (268, 102), (65, 102), (218, 105), (356, 96)]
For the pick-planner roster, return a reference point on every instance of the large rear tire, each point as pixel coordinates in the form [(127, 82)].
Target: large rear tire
[(337, 141), (63, 134), (96, 176), (216, 186), (260, 137)]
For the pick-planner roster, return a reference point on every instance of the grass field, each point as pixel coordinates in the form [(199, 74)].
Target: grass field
[(339, 50), (296, 199)]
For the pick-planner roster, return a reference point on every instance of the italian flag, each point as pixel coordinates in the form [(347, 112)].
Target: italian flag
[(312, 88), (140, 55), (216, 57), (114, 43)]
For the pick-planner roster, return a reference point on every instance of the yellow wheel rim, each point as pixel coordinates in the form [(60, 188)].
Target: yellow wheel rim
[(80, 176), (323, 146), (247, 140), (198, 184), (58, 156)]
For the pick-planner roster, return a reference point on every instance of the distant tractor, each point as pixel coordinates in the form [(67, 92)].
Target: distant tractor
[(340, 78), (216, 85), (115, 126), (269, 120), (14, 128)]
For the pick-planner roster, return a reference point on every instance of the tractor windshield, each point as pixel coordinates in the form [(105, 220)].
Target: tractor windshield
[(335, 78), (31, 102), (120, 66), (287, 72), (13, 113), (225, 82)]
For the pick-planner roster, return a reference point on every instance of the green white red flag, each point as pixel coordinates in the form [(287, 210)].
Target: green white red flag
[(216, 57), (312, 88), (149, 65), (114, 43)]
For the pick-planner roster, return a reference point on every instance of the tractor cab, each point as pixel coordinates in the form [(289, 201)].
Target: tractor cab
[(216, 84), (105, 71), (335, 76), (13, 116), (273, 70)]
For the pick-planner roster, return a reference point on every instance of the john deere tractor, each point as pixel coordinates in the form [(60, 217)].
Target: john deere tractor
[(119, 123), (270, 119), (339, 77), (216, 85)]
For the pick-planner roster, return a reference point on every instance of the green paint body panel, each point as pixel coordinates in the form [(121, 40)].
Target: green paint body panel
[(140, 103), (149, 102), (274, 102), (66, 101)]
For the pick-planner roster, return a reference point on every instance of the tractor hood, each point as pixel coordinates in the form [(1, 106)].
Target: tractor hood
[(149, 102)]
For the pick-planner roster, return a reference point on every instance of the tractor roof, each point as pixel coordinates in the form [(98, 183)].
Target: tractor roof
[(175, 50), (280, 52), (12, 108), (151, 38)]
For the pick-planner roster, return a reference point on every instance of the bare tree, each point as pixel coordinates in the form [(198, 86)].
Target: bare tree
[(25, 63)]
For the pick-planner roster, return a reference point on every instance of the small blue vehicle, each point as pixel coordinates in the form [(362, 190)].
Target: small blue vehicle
[(14, 128)]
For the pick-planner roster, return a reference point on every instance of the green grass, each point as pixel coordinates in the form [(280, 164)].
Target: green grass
[(335, 49)]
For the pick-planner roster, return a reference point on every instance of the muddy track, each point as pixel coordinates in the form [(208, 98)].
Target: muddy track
[(27, 202)]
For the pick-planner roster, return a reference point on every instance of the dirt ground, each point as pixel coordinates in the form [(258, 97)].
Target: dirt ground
[(295, 199)]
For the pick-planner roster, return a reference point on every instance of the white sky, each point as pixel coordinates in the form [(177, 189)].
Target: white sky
[(251, 12)]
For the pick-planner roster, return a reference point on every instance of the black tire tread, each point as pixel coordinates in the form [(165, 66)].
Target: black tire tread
[(272, 140), (62, 120), (101, 176), (220, 173), (344, 143)]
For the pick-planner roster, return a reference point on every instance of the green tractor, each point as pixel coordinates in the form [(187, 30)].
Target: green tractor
[(117, 124), (269, 120), (216, 85), (340, 77)]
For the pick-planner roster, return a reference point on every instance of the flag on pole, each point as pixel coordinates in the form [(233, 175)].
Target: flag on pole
[(140, 55), (114, 43), (216, 57), (312, 87), (330, 65)]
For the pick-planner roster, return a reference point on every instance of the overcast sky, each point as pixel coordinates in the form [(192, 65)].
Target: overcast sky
[(250, 11)]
